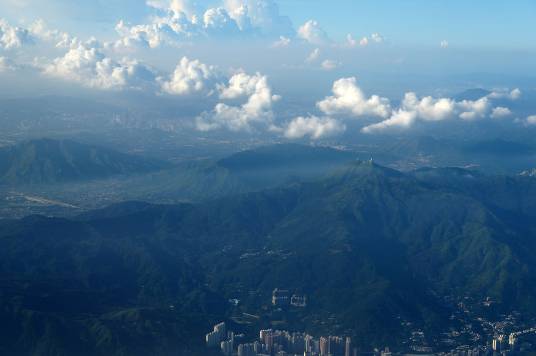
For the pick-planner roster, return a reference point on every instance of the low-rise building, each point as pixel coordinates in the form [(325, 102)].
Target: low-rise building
[(280, 297)]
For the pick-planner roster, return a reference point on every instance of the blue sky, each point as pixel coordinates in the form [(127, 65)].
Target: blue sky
[(487, 23), (295, 67), (498, 24)]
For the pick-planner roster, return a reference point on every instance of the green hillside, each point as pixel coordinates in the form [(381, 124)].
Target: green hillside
[(368, 245), (53, 161)]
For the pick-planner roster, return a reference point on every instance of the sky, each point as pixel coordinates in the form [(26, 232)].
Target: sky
[(296, 68), (478, 23)]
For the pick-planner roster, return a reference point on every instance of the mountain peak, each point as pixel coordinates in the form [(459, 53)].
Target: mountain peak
[(366, 168), (49, 161), (283, 155)]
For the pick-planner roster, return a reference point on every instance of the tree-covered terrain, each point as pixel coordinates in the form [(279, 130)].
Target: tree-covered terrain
[(368, 245)]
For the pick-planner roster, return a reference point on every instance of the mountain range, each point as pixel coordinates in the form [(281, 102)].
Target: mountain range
[(46, 161), (369, 246)]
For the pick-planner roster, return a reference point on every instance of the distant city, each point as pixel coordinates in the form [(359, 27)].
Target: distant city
[(273, 342), (285, 343), (280, 343)]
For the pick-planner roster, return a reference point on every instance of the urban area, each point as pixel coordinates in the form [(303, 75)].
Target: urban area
[(477, 336)]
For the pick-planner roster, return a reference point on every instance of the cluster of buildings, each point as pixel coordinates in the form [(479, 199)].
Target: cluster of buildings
[(283, 298), (217, 335), (280, 343), (510, 343), (471, 338)]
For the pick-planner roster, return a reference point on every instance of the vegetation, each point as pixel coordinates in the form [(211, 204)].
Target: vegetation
[(368, 245), (52, 161)]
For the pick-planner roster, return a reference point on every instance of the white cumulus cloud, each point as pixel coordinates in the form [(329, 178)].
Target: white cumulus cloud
[(376, 37), (170, 30), (218, 22), (473, 109), (257, 108), (314, 127), (363, 42), (514, 94), (282, 42), (40, 30), (189, 8), (349, 99), (313, 56), (88, 65), (259, 16), (189, 77), (6, 65), (350, 40), (313, 33), (531, 120), (181, 20), (330, 64), (500, 112), (242, 85), (400, 118), (428, 108), (12, 36)]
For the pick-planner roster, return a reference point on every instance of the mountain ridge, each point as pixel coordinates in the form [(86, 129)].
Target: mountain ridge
[(51, 161), (368, 245)]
